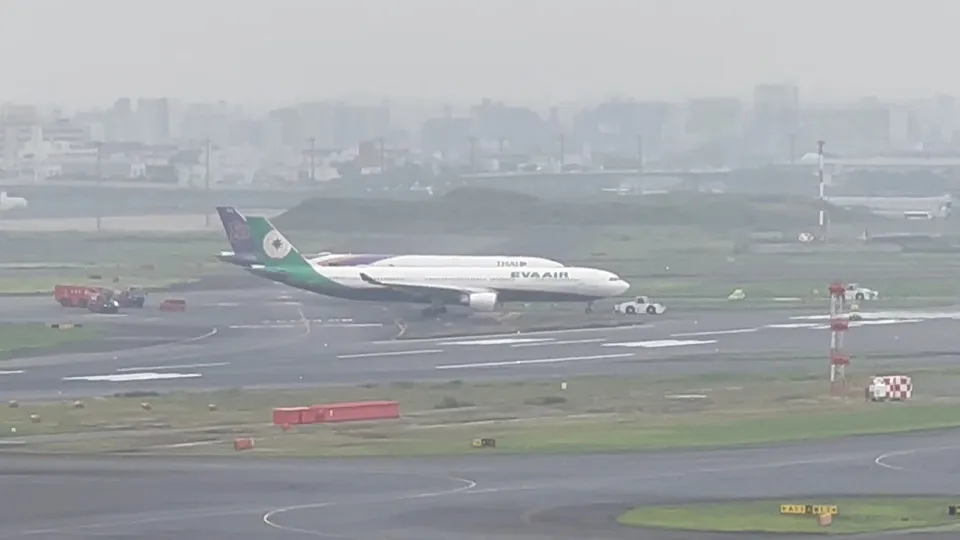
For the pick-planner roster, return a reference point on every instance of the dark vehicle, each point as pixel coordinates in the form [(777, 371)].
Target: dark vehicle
[(104, 303), (132, 297)]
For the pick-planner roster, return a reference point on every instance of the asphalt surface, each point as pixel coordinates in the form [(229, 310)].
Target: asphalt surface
[(271, 337), (481, 497)]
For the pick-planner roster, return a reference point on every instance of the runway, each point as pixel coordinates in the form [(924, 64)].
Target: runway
[(478, 497), (271, 338)]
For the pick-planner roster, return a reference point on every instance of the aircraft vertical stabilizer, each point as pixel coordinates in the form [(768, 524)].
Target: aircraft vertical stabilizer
[(237, 229), (272, 248)]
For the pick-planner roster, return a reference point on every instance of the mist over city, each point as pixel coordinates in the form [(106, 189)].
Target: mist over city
[(478, 270)]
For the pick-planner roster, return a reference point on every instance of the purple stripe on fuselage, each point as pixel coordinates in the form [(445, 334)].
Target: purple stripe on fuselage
[(356, 260)]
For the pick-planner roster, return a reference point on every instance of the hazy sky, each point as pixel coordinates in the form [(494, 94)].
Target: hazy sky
[(271, 51)]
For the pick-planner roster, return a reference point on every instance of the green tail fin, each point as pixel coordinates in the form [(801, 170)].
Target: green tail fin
[(272, 248)]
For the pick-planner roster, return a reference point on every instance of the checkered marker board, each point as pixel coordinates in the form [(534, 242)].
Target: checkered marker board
[(892, 387)]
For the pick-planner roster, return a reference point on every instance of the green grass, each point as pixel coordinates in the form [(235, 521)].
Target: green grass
[(593, 414), (16, 337), (855, 515)]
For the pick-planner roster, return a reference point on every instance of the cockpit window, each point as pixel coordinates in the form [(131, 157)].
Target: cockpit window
[(614, 278)]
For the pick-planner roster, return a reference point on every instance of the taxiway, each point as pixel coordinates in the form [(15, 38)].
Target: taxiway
[(478, 497)]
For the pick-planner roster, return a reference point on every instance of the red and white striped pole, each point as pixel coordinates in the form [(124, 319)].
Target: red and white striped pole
[(839, 324)]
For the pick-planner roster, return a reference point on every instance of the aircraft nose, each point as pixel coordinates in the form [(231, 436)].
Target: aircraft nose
[(619, 287)]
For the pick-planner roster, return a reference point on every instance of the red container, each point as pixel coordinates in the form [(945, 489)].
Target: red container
[(308, 415), (288, 415), (173, 304), (354, 412)]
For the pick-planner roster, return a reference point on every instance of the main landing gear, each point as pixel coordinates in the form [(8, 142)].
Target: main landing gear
[(589, 307)]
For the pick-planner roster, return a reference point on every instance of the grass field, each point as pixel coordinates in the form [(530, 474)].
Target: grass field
[(855, 515), (17, 337), (536, 416)]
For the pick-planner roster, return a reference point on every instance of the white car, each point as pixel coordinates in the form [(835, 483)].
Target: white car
[(640, 304), (855, 292)]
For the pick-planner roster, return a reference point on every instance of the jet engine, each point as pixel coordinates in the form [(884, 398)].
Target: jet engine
[(482, 301)]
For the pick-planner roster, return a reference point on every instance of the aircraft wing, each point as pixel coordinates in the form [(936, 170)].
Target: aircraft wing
[(423, 289)]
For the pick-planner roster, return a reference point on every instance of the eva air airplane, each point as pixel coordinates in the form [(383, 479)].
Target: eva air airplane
[(480, 288), (244, 253)]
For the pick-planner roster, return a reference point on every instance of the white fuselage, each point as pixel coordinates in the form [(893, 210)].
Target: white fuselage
[(366, 260), (550, 284), (472, 261)]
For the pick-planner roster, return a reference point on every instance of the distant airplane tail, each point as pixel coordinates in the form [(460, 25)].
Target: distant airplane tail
[(238, 231)]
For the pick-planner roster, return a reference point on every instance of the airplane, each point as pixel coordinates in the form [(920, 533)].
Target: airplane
[(244, 254), (9, 203), (480, 288)]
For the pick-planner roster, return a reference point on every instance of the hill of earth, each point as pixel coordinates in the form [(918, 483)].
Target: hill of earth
[(485, 211)]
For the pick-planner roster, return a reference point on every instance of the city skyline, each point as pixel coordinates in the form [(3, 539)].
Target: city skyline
[(266, 56)]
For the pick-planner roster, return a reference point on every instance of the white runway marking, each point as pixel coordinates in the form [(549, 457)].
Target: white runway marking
[(389, 353), (127, 377), (301, 321), (514, 335), (12, 372), (226, 304), (535, 361), (882, 322), (660, 343), (497, 341), (567, 342), (873, 322), (299, 324), (922, 315), (181, 366), (269, 518), (716, 332), (262, 326), (881, 459)]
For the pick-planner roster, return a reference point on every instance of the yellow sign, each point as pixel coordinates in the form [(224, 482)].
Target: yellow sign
[(804, 509)]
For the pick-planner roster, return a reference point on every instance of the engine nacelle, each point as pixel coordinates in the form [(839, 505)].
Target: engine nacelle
[(483, 301)]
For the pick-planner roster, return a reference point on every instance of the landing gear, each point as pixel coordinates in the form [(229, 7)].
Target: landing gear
[(589, 307)]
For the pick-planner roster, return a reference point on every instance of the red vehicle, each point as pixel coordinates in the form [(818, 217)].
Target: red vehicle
[(75, 295)]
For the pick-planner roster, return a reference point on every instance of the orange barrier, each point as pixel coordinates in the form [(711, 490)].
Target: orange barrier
[(354, 412), (336, 412), (291, 416), (244, 443), (173, 304)]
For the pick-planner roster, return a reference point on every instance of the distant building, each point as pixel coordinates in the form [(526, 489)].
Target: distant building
[(517, 129), (154, 119), (714, 117), (776, 120), (625, 131), (121, 123), (18, 125), (64, 130)]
